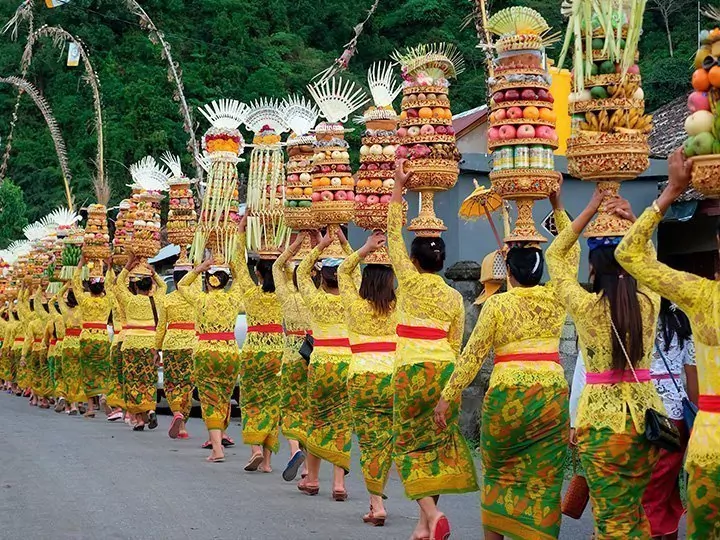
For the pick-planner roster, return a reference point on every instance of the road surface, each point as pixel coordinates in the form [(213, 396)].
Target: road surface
[(67, 478)]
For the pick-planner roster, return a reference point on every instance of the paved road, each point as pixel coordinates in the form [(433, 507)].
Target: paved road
[(65, 478)]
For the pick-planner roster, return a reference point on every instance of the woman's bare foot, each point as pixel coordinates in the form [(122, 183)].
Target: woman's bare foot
[(265, 468), (216, 457)]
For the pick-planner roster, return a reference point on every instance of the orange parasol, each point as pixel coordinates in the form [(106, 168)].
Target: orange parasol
[(482, 203)]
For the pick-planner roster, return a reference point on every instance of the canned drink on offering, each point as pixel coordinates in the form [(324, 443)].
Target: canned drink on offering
[(521, 157), (549, 158), (537, 157)]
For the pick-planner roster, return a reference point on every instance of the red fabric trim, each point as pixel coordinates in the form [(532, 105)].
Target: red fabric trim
[(53, 341), (217, 336), (332, 342), (420, 332), (298, 332), (94, 326), (138, 327), (709, 403), (379, 346), (662, 376), (19, 339), (528, 357), (181, 326), (73, 332), (615, 376), (266, 328)]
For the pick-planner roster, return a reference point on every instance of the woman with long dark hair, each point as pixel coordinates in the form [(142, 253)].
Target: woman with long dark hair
[(261, 360), (699, 298), (72, 370), (431, 321), (525, 410), (616, 328), (329, 435), (370, 316)]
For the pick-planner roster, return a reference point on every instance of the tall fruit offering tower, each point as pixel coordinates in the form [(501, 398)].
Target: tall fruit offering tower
[(426, 135), (609, 143), (182, 218), (217, 227), (333, 185)]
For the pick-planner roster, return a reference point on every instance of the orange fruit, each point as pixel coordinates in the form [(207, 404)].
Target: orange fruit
[(375, 184), (363, 183), (307, 191), (532, 113), (324, 181), (316, 182), (448, 114), (425, 112), (403, 115), (298, 191), (288, 191), (701, 80), (548, 115), (347, 181), (439, 112), (714, 76)]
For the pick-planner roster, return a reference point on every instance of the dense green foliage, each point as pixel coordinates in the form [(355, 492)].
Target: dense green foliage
[(244, 50), (12, 212)]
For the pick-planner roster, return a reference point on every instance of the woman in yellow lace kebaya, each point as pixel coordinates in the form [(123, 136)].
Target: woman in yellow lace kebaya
[(293, 383), (216, 356), (115, 398), (525, 410), (176, 339), (26, 315), (370, 316), (260, 360), (5, 322), (330, 432), (95, 309), (71, 366), (699, 298), (431, 319), (140, 358), (34, 353), (9, 365), (54, 336), (610, 425)]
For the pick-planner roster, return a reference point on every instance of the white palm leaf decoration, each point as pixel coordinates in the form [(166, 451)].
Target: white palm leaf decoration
[(300, 114), (60, 217), (205, 161), (17, 249), (148, 175), (265, 112), (436, 59), (35, 231), (384, 86), (337, 98), (173, 163), (225, 113)]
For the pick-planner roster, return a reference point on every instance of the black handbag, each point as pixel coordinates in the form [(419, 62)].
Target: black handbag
[(690, 410), (660, 431), (307, 347)]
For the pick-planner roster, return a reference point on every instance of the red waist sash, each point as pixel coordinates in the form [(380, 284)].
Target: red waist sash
[(707, 403), (420, 332), (73, 332), (379, 346), (53, 341), (20, 339), (266, 328), (528, 357), (139, 327), (615, 376), (94, 326), (37, 340), (181, 326), (217, 336), (332, 342), (661, 376), (298, 332)]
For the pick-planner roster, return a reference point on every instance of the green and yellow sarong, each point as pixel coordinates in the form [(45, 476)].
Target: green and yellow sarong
[(260, 395), (72, 371), (293, 381), (617, 467), (177, 380), (140, 377), (116, 397), (215, 374), (431, 461), (524, 446), (703, 491), (95, 366)]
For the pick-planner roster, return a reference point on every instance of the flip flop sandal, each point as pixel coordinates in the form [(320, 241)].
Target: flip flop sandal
[(216, 460), (442, 529), (206, 445), (293, 466), (73, 412), (227, 442), (254, 463), (153, 421), (312, 491), (140, 427), (339, 496), (183, 435), (174, 430)]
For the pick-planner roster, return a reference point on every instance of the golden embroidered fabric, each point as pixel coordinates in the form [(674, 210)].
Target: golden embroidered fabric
[(118, 312), (364, 324), (138, 312), (295, 315), (93, 309), (699, 298), (524, 320), (260, 307), (215, 311), (423, 300), (176, 310), (604, 405), (72, 318), (327, 314)]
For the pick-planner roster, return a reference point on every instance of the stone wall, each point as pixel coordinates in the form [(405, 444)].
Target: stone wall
[(464, 276)]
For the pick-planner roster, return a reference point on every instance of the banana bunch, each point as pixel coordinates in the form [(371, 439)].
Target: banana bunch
[(625, 90), (618, 119), (596, 122), (71, 254)]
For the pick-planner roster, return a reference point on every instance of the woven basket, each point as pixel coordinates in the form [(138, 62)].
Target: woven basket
[(432, 174), (706, 175), (597, 156)]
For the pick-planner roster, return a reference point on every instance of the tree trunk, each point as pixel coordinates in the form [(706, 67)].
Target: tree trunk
[(669, 36)]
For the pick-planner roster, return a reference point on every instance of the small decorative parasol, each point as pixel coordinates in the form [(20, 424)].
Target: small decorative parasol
[(482, 203)]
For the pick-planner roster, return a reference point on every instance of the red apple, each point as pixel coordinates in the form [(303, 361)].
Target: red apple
[(372, 167), (526, 131), (401, 152), (529, 94), (362, 167), (545, 132), (550, 98), (340, 196), (290, 178), (360, 198), (698, 101), (542, 94), (512, 95), (514, 113), (440, 130), (450, 130), (387, 166), (325, 168), (412, 113), (385, 199), (350, 195), (315, 196), (493, 134), (402, 132), (427, 129), (500, 115), (498, 97), (507, 132), (326, 196), (373, 199), (634, 69)]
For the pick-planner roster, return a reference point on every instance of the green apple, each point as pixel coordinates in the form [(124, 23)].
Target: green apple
[(688, 149), (703, 143)]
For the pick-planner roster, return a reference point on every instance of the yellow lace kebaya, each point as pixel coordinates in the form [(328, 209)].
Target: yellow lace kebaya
[(699, 298), (431, 317), (296, 320), (54, 336), (370, 389), (26, 316), (116, 380), (72, 371), (34, 351), (261, 360), (525, 410), (330, 433)]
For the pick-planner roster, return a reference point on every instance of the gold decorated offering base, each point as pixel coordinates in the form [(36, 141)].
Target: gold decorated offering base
[(431, 174), (300, 218), (705, 177), (379, 256), (607, 156), (305, 248), (606, 224), (525, 230), (335, 249), (268, 253), (525, 183), (333, 212), (427, 224)]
